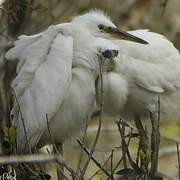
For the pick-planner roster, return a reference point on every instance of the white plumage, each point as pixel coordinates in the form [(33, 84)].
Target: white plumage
[(140, 74), (58, 68), (56, 77), (44, 72)]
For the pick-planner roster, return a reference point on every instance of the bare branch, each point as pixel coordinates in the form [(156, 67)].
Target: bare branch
[(100, 120), (155, 141), (50, 135), (178, 154), (93, 159), (123, 144), (35, 158), (81, 151), (100, 169), (22, 119), (164, 6)]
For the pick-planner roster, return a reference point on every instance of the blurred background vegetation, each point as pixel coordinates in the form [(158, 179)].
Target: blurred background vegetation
[(161, 16)]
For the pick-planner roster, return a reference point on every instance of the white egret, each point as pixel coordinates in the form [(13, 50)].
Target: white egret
[(56, 76), (140, 75), (144, 81)]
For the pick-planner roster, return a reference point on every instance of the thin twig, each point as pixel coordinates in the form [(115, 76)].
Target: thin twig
[(100, 169), (123, 142), (100, 121), (93, 159), (117, 165), (30, 169), (178, 155), (22, 119), (155, 141), (132, 163), (81, 151), (70, 170), (35, 158), (164, 6), (112, 153), (60, 172), (144, 140), (50, 135)]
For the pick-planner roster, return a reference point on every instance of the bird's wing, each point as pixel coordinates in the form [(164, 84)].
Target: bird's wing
[(154, 67), (151, 70), (20, 48), (42, 80)]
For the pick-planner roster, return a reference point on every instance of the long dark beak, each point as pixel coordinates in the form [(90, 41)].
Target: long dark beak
[(119, 34)]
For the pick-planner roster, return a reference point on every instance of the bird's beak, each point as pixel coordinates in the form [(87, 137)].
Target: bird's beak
[(119, 34)]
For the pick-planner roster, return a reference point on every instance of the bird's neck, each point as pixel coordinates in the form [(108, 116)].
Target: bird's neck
[(85, 70), (88, 62)]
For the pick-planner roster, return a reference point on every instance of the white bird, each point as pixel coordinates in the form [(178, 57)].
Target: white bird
[(140, 76), (143, 82), (56, 75)]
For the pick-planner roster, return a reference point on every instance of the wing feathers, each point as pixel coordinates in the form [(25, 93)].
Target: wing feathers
[(42, 81)]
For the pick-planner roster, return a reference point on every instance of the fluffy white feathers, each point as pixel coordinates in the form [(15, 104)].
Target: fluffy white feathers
[(141, 74)]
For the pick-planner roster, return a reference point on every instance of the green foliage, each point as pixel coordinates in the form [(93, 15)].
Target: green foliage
[(10, 134), (145, 157)]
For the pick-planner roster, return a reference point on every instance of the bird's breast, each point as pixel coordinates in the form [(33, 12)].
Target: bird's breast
[(73, 113), (115, 92)]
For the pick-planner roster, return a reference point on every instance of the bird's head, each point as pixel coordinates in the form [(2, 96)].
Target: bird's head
[(100, 25)]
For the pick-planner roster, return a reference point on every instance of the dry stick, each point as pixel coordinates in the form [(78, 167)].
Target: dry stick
[(155, 141), (70, 170), (35, 158), (60, 173), (133, 164), (81, 152), (119, 162), (164, 5), (22, 119), (178, 154), (112, 153), (50, 135), (117, 165), (122, 133), (63, 176), (93, 159), (100, 169), (144, 144), (129, 139), (30, 169), (99, 125), (123, 143), (143, 139), (61, 162)]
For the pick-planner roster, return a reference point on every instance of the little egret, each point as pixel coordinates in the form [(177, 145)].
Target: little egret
[(56, 76), (143, 82), (140, 76)]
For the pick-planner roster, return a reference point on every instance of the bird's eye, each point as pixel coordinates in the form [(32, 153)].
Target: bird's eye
[(101, 26)]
